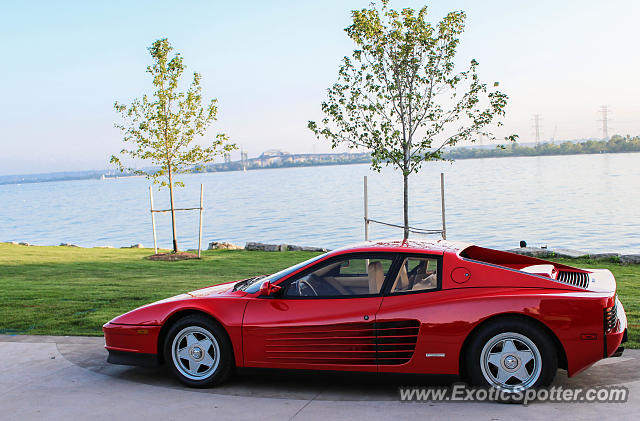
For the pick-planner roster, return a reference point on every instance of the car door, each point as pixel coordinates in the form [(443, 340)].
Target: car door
[(323, 318), (405, 316)]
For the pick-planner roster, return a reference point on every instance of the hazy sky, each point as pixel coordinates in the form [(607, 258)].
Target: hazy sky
[(269, 63)]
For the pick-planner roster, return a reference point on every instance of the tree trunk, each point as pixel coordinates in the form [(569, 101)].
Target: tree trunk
[(173, 212), (406, 205)]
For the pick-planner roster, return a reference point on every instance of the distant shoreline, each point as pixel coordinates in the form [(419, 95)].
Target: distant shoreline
[(221, 167), (615, 145), (539, 252)]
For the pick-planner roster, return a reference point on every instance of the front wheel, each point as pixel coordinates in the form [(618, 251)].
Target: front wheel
[(511, 355), (198, 352)]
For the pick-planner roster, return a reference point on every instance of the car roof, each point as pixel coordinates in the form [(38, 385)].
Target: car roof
[(409, 245)]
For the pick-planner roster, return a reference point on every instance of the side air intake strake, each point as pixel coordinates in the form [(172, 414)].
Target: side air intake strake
[(396, 341), (366, 343), (578, 279)]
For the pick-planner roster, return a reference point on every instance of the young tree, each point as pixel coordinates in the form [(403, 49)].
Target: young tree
[(159, 130), (399, 94)]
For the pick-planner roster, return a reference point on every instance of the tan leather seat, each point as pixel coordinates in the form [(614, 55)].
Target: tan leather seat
[(376, 277), (404, 278)]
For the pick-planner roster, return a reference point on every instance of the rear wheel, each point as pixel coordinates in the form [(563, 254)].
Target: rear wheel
[(198, 352), (511, 355)]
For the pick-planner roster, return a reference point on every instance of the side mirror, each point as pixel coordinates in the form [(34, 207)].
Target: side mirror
[(268, 288)]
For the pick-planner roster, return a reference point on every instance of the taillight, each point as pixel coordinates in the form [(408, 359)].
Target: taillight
[(611, 317)]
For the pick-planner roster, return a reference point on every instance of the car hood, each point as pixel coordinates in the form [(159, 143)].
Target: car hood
[(152, 312), (212, 290), (198, 293)]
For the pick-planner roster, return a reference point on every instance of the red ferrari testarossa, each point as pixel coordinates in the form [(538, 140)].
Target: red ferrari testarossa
[(439, 307)]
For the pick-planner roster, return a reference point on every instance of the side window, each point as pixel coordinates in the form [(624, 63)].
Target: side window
[(416, 274), (355, 276)]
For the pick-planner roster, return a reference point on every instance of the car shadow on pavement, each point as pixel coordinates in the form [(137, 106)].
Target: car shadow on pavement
[(90, 354)]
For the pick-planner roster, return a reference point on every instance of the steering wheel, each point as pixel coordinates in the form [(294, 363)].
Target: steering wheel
[(306, 283)]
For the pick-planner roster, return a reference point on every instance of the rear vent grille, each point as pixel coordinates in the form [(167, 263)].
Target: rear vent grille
[(578, 279)]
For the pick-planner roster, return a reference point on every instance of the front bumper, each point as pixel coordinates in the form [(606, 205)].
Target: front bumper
[(131, 344), (132, 358)]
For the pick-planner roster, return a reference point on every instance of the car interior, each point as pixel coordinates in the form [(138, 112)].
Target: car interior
[(416, 274), (360, 276)]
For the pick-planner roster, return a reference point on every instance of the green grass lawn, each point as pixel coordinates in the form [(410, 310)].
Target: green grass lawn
[(74, 291)]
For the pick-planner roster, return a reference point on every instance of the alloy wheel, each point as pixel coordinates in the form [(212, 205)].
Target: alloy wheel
[(195, 352), (510, 361)]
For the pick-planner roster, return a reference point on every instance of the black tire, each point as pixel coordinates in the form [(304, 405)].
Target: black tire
[(200, 368), (524, 334)]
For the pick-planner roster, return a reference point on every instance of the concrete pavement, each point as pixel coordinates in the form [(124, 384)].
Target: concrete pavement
[(43, 377)]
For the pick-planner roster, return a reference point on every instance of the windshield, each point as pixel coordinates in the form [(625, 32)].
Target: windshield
[(255, 283)]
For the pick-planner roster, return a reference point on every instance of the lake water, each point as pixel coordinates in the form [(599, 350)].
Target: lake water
[(586, 202)]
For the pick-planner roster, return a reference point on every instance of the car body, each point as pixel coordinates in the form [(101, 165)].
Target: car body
[(436, 307)]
